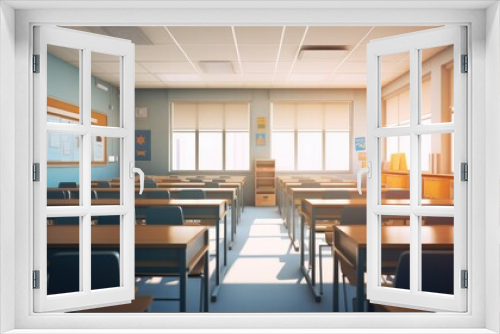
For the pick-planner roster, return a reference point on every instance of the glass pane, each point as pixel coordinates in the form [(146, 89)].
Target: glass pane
[(283, 150), (395, 163), (105, 171), (395, 246), (237, 151), (210, 151), (63, 255), (437, 264), (337, 151), (395, 97), (436, 105), (105, 250), (105, 89), (63, 168), (436, 165), (183, 151), (310, 151), (63, 85)]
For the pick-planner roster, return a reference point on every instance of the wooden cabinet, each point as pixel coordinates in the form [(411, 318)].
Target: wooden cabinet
[(265, 183)]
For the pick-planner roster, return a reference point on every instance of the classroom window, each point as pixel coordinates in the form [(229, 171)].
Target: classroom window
[(210, 136), (311, 136)]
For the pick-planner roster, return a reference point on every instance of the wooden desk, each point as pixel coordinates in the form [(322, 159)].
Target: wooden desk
[(187, 245), (350, 245), (316, 209), (213, 210)]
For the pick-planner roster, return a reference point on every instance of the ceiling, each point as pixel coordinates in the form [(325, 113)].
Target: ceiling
[(247, 57)]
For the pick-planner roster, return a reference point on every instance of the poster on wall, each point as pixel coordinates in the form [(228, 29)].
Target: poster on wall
[(143, 145), (360, 144), (261, 124), (260, 139), (260, 134)]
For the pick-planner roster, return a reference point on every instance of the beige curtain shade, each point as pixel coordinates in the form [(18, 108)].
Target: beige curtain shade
[(283, 115), (310, 116), (184, 116), (237, 116), (210, 116), (330, 116), (337, 116)]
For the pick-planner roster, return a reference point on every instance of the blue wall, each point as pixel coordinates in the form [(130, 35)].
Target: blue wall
[(62, 84)]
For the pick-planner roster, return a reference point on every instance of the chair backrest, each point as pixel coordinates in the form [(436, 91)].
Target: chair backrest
[(150, 184), (108, 220), (103, 184), (164, 215), (219, 180), (353, 215), (162, 194), (66, 221), (75, 194), (212, 184), (68, 185), (65, 266), (57, 194), (190, 194), (108, 194), (437, 271), (334, 194), (196, 180), (396, 194), (439, 221)]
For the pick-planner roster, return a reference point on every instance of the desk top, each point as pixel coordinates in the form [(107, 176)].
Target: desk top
[(157, 236), (332, 203), (435, 237), (143, 202), (115, 190)]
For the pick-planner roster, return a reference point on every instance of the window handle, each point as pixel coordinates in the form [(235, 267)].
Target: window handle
[(135, 170), (368, 171)]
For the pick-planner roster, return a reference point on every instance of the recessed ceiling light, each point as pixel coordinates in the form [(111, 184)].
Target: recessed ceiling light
[(325, 53), (217, 67)]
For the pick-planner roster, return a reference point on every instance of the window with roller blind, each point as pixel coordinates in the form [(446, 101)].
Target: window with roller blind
[(312, 136), (210, 136)]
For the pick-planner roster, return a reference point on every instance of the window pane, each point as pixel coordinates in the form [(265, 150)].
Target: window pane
[(337, 151), (105, 89), (437, 95), (395, 174), (237, 151), (105, 167), (283, 150), (395, 103), (105, 250), (183, 151), (310, 151), (395, 262), (210, 151)]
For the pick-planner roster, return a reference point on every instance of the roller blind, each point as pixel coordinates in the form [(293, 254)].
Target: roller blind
[(283, 116), (426, 97), (309, 116), (404, 106), (392, 111), (337, 116), (184, 116), (237, 116), (210, 116)]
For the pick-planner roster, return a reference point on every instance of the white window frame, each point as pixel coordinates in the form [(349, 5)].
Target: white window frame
[(197, 132), (483, 313), (86, 44), (323, 132)]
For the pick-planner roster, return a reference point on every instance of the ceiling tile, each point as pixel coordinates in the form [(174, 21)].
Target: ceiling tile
[(63, 53), (335, 35), (202, 35), (96, 56), (284, 67), (113, 79), (146, 77), (179, 77), (358, 54), (169, 67), (322, 67), (256, 52), (146, 84), (352, 67), (140, 69), (289, 52), (258, 67), (293, 35), (158, 53), (212, 52), (258, 35), (157, 35)]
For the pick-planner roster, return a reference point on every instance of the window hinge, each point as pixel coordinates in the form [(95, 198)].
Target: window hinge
[(36, 279), (36, 63), (464, 171), (36, 172), (465, 279), (465, 64)]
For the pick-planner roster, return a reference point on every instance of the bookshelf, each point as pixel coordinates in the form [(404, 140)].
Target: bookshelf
[(265, 186)]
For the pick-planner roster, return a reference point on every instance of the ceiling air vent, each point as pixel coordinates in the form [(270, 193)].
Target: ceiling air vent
[(217, 67), (323, 52)]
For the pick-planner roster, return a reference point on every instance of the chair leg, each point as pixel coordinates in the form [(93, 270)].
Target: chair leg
[(345, 293), (321, 267)]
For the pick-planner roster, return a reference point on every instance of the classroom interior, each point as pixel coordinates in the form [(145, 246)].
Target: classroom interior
[(250, 139)]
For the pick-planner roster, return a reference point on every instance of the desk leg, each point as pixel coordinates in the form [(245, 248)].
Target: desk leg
[(310, 279), (217, 262), (233, 227), (293, 224), (183, 284), (233, 222), (336, 282), (360, 278), (242, 200), (225, 239), (206, 272)]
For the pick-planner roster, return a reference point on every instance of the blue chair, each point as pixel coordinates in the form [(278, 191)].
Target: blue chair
[(64, 271), (108, 220), (68, 185), (164, 215), (212, 185), (150, 184), (190, 194), (103, 184), (165, 194), (75, 194), (66, 221), (439, 221), (57, 194)]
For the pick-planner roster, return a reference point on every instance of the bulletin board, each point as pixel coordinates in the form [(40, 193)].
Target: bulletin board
[(63, 149)]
